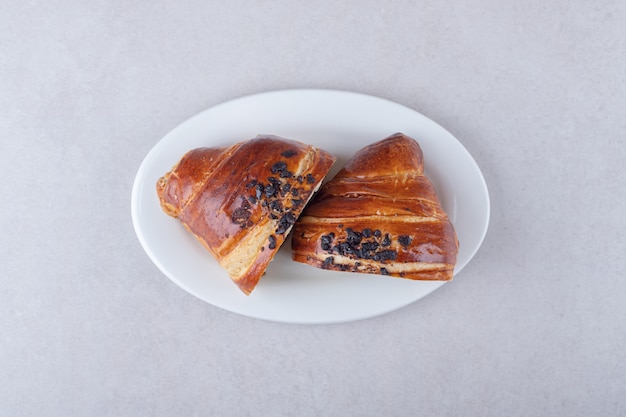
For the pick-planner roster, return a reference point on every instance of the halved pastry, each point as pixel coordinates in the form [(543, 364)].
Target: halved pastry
[(241, 201), (379, 215)]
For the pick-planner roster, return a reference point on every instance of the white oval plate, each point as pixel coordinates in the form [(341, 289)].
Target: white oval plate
[(341, 123)]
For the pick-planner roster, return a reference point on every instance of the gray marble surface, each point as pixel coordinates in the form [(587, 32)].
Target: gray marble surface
[(534, 326)]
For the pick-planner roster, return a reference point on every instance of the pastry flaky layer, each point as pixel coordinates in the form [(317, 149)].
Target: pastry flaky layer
[(241, 201), (379, 215)]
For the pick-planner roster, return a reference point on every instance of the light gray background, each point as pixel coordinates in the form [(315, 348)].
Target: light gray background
[(534, 326)]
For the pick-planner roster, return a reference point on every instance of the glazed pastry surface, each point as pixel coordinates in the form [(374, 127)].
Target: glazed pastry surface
[(241, 201), (380, 215)]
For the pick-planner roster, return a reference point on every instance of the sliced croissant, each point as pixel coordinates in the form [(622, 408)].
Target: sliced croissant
[(241, 201), (379, 215)]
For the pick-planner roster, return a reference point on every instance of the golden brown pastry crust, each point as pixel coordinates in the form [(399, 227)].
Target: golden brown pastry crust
[(379, 215), (241, 201)]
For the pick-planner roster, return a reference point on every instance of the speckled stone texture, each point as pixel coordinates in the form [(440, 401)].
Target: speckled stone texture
[(534, 326)]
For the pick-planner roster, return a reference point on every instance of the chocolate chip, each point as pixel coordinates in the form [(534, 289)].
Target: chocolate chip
[(252, 199), (290, 218), (270, 191), (299, 179), (295, 192), (251, 184), (328, 262), (383, 271), (344, 267), (275, 205), (354, 238), (259, 188), (296, 202), (326, 241), (272, 240), (367, 232), (343, 248), (369, 246), (377, 233), (310, 179), (288, 153), (405, 240), (386, 241), (386, 255), (240, 216), (286, 188), (285, 222), (278, 167), (274, 181)]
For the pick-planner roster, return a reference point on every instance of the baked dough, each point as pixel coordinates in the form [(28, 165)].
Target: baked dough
[(241, 201), (379, 215)]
